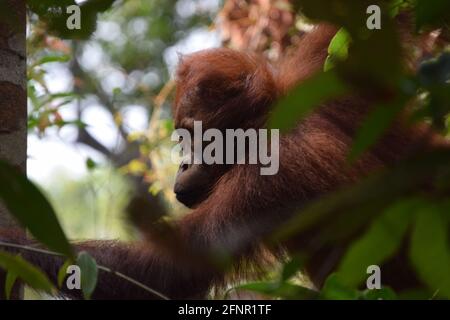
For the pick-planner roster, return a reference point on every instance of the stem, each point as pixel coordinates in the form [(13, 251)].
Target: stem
[(106, 269)]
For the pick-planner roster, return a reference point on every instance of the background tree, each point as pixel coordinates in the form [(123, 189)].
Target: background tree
[(13, 110)]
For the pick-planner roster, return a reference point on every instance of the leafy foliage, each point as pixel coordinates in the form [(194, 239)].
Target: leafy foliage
[(89, 273), (54, 14), (307, 96), (375, 125), (17, 267), (382, 239), (31, 208), (391, 202), (338, 48), (429, 251)]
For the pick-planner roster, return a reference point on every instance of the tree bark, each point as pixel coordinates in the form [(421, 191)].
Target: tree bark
[(13, 99)]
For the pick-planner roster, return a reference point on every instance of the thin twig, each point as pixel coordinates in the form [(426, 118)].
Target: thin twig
[(19, 246), (135, 282), (106, 269)]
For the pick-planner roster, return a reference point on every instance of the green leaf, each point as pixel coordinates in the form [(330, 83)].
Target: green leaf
[(415, 294), (54, 14), (383, 238), (379, 294), (339, 12), (338, 48), (32, 95), (11, 278), (52, 58), (260, 286), (27, 204), (429, 251), (51, 97), (80, 124), (397, 6), (98, 5), (374, 57), (89, 273), (333, 289), (283, 290), (432, 12), (375, 191), (374, 126), (292, 267), (167, 124), (117, 91), (90, 164), (339, 44), (300, 101), (62, 95), (25, 271), (62, 272), (155, 188)]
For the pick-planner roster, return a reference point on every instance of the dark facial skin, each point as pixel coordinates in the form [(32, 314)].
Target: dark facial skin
[(193, 184)]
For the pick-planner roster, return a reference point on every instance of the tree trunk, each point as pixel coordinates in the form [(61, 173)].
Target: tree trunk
[(13, 108)]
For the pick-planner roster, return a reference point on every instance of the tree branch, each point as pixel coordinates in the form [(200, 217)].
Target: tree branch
[(85, 138)]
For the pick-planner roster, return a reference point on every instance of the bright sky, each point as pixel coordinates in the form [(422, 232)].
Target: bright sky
[(54, 153)]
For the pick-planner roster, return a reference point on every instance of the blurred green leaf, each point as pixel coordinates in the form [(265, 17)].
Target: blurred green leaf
[(25, 271), (52, 58), (79, 123), (89, 273), (26, 203), (54, 14), (11, 278), (300, 101), (168, 125), (378, 189), (437, 106), (383, 238), (117, 92), (379, 294), (394, 7), (90, 164), (62, 272), (429, 250), (374, 59), (373, 127), (283, 290), (338, 48), (333, 289), (432, 12), (414, 294), (339, 12), (155, 188), (292, 267), (31, 92), (98, 5)]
